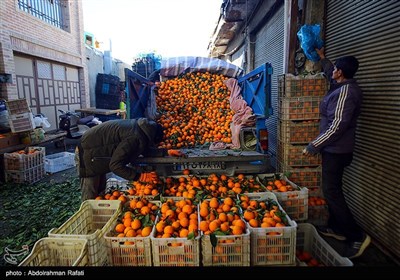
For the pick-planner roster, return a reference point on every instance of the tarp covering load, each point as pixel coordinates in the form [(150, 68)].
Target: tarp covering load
[(177, 66)]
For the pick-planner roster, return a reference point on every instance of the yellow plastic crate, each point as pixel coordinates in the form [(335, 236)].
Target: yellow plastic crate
[(57, 252), (91, 222)]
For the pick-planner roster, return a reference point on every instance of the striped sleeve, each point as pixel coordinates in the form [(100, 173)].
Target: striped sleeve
[(337, 121)]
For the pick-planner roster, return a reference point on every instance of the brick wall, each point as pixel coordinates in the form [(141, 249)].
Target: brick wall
[(24, 33)]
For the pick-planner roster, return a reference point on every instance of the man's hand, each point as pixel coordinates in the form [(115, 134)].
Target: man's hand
[(148, 177), (305, 152), (320, 52)]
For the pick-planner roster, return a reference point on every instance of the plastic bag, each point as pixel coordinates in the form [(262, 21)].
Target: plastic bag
[(309, 40), (41, 121)]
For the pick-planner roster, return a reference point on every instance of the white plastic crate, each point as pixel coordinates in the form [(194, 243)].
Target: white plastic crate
[(115, 183), (309, 240), (50, 251), (30, 175), (175, 251), (93, 219), (273, 245), (21, 122), (294, 203), (24, 159), (128, 251), (59, 162), (231, 250)]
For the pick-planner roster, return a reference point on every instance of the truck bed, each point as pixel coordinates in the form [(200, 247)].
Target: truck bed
[(204, 161)]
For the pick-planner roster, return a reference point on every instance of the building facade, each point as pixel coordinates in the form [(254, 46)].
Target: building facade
[(43, 56)]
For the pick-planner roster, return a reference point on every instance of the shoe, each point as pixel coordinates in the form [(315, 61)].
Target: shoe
[(326, 231), (357, 248)]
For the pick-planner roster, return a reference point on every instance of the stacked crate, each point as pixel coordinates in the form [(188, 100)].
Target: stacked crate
[(20, 116), (298, 125), (25, 166)]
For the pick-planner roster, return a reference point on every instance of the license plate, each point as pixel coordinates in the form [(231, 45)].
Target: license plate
[(199, 166)]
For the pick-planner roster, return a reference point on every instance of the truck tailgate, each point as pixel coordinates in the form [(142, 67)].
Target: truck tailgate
[(202, 161)]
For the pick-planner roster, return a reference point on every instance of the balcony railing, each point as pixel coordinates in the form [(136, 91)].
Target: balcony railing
[(50, 11)]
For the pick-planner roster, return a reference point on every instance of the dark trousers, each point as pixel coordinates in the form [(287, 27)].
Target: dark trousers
[(340, 217), (91, 187)]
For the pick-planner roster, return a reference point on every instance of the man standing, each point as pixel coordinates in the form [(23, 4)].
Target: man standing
[(339, 111)]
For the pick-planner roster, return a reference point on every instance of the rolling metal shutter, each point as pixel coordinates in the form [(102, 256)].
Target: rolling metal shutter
[(239, 57), (269, 49), (370, 30)]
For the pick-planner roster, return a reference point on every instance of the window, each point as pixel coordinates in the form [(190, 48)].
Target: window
[(50, 11)]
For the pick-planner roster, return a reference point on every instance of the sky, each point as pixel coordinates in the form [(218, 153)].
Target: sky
[(166, 27)]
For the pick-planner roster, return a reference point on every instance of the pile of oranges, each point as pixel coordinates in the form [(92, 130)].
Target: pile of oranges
[(178, 218), (137, 220), (221, 217), (194, 110), (262, 213)]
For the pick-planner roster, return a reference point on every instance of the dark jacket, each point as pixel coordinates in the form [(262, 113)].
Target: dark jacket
[(339, 111), (110, 146)]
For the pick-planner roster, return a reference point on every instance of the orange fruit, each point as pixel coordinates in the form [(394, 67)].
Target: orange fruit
[(119, 228), (146, 231)]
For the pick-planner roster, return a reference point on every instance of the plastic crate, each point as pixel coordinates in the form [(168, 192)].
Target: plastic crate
[(50, 251), (59, 162), (298, 86), (299, 108), (308, 177), (175, 251), (128, 251), (273, 245), (231, 250), (116, 184), (18, 106), (93, 219), (309, 240), (21, 122), (23, 161), (294, 203), (300, 132), (31, 175), (318, 215), (292, 155)]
